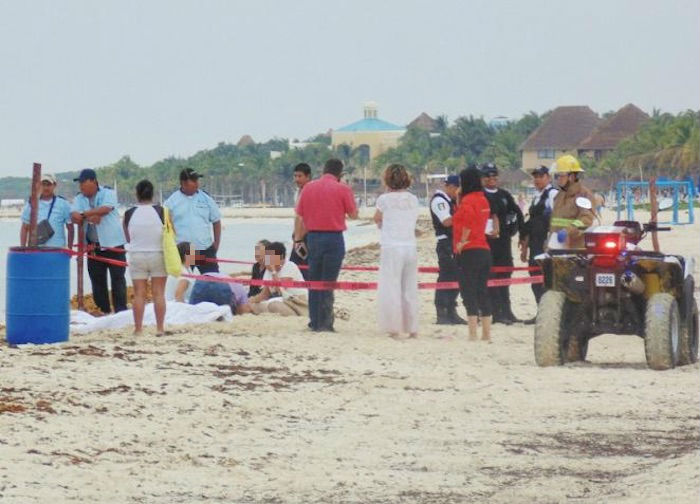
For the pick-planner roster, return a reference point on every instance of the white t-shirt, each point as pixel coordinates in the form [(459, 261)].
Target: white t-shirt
[(399, 215), (171, 285), (145, 230), (440, 207), (288, 270)]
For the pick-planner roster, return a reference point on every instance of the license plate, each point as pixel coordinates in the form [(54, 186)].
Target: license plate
[(605, 280)]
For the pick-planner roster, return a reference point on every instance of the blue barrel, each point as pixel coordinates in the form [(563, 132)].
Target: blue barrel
[(37, 307)]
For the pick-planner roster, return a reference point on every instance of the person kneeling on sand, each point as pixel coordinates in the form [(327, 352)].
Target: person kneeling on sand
[(281, 300)]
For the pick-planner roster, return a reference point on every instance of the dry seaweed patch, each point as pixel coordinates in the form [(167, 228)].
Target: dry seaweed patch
[(271, 377), (644, 444)]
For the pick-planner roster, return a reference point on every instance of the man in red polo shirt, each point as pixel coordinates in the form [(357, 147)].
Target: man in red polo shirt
[(321, 211)]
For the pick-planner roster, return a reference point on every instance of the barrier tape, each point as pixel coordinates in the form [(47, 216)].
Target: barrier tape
[(322, 285), (421, 269)]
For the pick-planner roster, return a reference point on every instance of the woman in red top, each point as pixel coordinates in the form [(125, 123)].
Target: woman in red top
[(472, 251)]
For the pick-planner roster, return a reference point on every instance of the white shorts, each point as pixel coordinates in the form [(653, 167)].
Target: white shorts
[(143, 265)]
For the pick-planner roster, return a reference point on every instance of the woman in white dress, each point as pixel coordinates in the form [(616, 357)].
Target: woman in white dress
[(396, 215)]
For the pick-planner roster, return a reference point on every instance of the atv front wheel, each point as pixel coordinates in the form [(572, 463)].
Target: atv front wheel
[(662, 331), (688, 346), (577, 348), (549, 346)]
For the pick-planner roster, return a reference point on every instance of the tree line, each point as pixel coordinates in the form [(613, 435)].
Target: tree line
[(257, 173)]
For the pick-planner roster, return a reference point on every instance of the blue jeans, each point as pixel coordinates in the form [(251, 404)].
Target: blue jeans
[(326, 252), (212, 292)]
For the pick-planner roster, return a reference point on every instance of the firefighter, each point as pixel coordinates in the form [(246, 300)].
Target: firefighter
[(573, 206), (508, 220), (442, 207), (534, 235)]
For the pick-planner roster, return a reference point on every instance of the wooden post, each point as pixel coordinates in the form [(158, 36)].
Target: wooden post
[(34, 204), (654, 212), (80, 261)]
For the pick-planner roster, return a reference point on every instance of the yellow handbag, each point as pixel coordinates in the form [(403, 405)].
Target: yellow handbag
[(173, 266)]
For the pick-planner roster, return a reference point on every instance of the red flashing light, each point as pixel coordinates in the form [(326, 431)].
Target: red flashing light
[(610, 245)]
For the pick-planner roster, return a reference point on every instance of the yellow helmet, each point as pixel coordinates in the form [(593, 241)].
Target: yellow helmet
[(567, 164)]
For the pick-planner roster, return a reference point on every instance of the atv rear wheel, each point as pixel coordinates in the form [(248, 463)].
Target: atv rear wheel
[(688, 346), (549, 345), (662, 331)]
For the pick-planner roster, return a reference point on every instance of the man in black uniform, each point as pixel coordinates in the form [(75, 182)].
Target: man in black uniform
[(510, 221), (442, 207), (536, 229)]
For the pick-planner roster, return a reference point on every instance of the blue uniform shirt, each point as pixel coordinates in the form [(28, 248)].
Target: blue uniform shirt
[(60, 216), (109, 231), (192, 218)]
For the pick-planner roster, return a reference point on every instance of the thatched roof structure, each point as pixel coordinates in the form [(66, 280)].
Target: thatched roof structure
[(622, 124), (564, 129), (424, 122), (245, 141)]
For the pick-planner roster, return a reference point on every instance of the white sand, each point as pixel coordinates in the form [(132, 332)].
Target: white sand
[(260, 410)]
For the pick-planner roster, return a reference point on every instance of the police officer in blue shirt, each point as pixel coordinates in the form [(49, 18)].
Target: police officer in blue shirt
[(97, 206), (196, 218), (55, 211)]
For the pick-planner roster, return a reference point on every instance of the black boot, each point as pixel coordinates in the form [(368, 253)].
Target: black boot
[(442, 316), (454, 317)]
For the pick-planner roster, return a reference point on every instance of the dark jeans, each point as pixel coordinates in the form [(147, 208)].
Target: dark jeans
[(501, 255), (97, 270), (206, 266), (537, 289), (474, 265), (212, 292), (326, 252), (449, 272)]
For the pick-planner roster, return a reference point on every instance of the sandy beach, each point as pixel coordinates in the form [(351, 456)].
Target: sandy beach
[(260, 410)]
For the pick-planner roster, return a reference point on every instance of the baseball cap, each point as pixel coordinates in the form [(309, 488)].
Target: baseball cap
[(47, 177), (189, 174), (489, 169), (452, 180), (86, 174), (540, 170)]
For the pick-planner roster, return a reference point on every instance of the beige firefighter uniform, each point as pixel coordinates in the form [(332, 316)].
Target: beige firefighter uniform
[(572, 217)]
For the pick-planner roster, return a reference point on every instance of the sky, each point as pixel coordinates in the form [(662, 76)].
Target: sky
[(83, 83)]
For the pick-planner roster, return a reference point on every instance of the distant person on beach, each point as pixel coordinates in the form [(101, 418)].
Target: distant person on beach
[(179, 289), (472, 250), (54, 212), (396, 216), (286, 301), (143, 228), (321, 210), (196, 219), (96, 205), (442, 208), (300, 253), (258, 269)]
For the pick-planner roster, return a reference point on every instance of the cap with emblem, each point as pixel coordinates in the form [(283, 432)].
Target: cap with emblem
[(189, 174), (488, 170), (86, 174), (452, 180), (540, 170)]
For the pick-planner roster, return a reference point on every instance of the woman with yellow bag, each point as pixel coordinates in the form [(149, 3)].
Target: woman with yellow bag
[(150, 242)]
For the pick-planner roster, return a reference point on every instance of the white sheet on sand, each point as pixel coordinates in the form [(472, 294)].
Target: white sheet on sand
[(175, 314)]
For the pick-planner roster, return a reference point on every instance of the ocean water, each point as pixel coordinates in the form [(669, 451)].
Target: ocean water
[(238, 239)]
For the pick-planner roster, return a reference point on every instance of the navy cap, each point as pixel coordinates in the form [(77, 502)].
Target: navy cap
[(489, 169), (189, 174), (452, 180), (86, 174), (540, 170)]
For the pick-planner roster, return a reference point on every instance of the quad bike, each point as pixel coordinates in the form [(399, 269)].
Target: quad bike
[(612, 286)]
